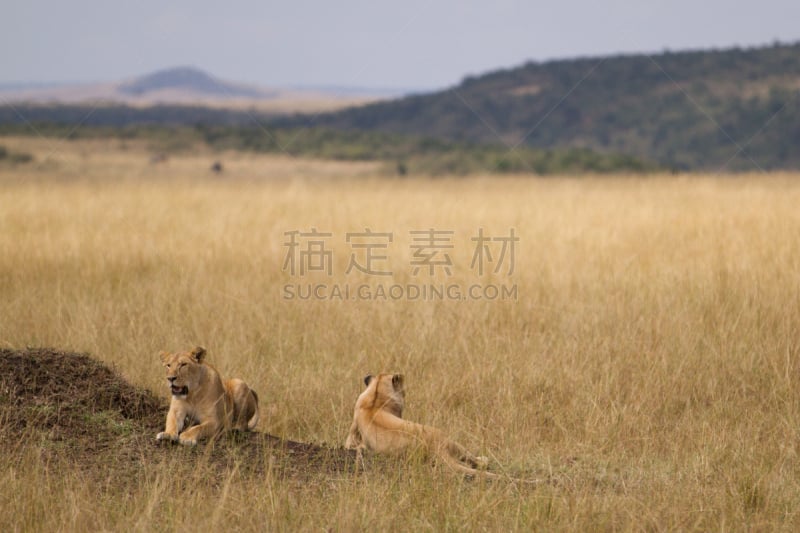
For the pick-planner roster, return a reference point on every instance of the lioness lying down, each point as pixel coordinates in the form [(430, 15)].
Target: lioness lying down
[(378, 426), (200, 394)]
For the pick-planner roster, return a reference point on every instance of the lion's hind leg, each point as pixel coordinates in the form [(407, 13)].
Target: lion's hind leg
[(354, 439), (245, 405), (460, 454), (253, 411)]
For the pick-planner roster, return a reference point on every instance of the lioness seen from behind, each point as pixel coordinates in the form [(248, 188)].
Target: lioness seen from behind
[(378, 426)]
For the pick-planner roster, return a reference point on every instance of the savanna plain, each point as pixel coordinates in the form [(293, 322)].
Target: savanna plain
[(647, 370)]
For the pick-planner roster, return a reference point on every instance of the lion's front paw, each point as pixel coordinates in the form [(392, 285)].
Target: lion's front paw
[(187, 442), (481, 461), (166, 436)]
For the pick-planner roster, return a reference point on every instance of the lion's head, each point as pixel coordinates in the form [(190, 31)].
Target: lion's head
[(183, 370), (389, 393)]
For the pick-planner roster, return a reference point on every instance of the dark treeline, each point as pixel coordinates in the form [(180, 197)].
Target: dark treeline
[(735, 109)]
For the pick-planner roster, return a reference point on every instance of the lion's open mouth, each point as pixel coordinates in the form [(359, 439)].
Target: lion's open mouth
[(179, 391)]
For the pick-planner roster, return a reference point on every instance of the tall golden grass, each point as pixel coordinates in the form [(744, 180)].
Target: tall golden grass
[(649, 366)]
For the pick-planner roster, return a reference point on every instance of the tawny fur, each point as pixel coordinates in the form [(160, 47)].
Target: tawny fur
[(200, 394), (378, 426)]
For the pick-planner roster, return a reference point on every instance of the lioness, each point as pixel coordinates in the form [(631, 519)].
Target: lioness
[(378, 426), (199, 393)]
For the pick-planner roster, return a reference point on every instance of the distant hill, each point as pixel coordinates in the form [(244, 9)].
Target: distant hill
[(186, 86), (734, 108), (188, 79)]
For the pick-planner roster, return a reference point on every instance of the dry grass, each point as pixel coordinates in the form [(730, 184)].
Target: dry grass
[(649, 367)]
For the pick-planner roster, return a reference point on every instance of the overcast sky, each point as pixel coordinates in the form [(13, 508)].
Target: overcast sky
[(407, 44)]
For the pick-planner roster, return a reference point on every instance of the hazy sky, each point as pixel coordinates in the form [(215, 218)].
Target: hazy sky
[(399, 44)]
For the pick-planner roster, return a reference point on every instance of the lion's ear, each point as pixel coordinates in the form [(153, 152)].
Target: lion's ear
[(163, 356), (368, 379), (199, 353), (397, 381)]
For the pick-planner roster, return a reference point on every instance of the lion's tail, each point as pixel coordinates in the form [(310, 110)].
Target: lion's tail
[(455, 465), (251, 424), (459, 466)]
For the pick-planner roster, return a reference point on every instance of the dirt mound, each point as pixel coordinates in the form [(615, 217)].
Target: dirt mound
[(43, 378), (69, 406)]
